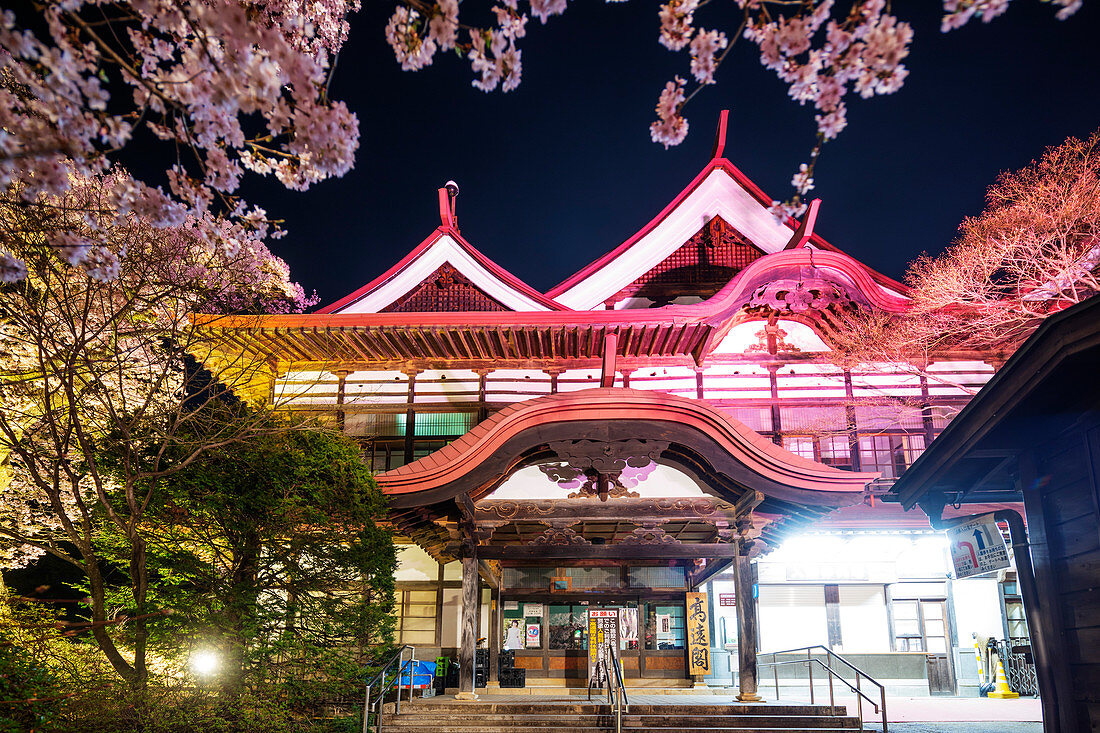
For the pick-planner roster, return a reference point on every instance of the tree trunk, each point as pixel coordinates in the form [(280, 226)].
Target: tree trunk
[(99, 619)]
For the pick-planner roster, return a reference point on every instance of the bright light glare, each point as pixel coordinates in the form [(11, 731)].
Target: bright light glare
[(204, 662)]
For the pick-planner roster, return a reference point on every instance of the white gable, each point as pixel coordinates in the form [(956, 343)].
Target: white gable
[(530, 483), (444, 250), (749, 337), (718, 195)]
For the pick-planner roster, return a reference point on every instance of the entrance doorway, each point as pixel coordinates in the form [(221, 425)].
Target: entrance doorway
[(556, 636), (921, 626)]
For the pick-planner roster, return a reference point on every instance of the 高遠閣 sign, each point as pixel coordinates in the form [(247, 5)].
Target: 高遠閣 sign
[(698, 633)]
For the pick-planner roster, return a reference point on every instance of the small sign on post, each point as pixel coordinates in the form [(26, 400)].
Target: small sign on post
[(977, 547)]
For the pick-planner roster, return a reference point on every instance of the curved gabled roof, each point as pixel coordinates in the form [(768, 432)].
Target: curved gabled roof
[(671, 331), (444, 246), (491, 448), (720, 189)]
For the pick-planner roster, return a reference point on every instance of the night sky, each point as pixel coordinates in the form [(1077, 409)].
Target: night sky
[(562, 170)]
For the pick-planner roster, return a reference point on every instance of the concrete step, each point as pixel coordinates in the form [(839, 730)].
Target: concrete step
[(567, 717), (451, 707), (491, 726), (644, 721)]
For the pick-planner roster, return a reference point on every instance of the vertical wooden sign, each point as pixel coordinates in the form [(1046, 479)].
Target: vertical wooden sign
[(698, 634)]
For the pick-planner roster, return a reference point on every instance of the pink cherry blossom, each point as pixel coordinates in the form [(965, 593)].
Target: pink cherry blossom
[(413, 50), (443, 27), (676, 18), (803, 181), (543, 9), (670, 127), (703, 48)]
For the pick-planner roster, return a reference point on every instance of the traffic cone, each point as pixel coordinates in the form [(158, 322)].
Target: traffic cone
[(1003, 692)]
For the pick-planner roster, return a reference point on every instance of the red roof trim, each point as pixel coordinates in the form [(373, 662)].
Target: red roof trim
[(713, 311), (758, 193), (717, 163), (496, 270)]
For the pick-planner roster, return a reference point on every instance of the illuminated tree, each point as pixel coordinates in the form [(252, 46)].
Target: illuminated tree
[(98, 354), (1034, 251)]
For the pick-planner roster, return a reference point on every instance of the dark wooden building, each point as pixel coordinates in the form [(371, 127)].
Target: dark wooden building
[(1033, 432)]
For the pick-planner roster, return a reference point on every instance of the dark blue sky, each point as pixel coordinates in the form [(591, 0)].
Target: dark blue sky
[(561, 170)]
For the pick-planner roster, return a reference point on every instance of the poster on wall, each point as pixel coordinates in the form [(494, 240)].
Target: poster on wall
[(603, 635), (532, 609), (628, 627), (513, 635), (698, 633), (664, 627), (511, 605), (533, 636)]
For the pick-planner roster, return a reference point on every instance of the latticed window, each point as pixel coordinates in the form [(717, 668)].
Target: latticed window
[(699, 267), (657, 576), (800, 446), (832, 450), (447, 291), (416, 616), (890, 453)]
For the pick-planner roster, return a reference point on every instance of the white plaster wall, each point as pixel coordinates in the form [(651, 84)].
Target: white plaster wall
[(452, 615), (863, 624), (977, 609), (415, 564), (446, 385), (453, 570), (736, 381)]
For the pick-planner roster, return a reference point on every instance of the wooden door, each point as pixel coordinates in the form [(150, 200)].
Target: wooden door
[(940, 679)]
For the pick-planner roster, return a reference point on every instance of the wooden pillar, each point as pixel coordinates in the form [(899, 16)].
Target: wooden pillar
[(410, 416), (467, 642), (777, 416), (850, 417), (493, 639), (746, 629), (342, 377)]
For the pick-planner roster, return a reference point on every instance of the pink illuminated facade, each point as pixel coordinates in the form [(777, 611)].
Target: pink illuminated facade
[(643, 429)]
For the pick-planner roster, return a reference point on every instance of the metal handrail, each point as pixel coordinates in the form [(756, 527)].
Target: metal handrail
[(619, 700), (830, 655), (380, 679)]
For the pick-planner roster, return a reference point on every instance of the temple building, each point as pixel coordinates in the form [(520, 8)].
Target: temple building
[(651, 427)]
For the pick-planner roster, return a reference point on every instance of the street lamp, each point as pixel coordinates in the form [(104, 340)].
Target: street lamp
[(204, 662)]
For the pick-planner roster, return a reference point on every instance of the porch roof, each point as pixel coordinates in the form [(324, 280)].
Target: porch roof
[(756, 488)]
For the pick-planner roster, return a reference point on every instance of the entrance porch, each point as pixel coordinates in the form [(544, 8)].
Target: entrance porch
[(608, 500)]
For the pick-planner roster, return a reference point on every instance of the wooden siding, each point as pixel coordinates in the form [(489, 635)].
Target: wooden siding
[(1069, 467)]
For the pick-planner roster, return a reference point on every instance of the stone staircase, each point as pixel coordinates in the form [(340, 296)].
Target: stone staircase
[(443, 716)]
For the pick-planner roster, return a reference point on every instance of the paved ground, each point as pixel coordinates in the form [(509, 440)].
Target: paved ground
[(906, 714), (963, 710), (999, 727)]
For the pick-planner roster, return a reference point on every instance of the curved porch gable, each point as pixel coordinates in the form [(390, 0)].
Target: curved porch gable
[(696, 438)]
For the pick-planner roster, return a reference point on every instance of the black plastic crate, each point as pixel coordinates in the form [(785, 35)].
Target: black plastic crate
[(507, 659), (513, 679), (480, 680)]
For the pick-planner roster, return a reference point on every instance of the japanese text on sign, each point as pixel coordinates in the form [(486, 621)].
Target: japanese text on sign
[(977, 547), (698, 633)]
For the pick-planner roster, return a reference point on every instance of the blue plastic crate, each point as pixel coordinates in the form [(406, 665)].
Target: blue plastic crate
[(422, 675)]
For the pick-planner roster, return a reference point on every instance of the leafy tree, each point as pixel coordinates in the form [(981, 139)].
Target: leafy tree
[(269, 554)]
